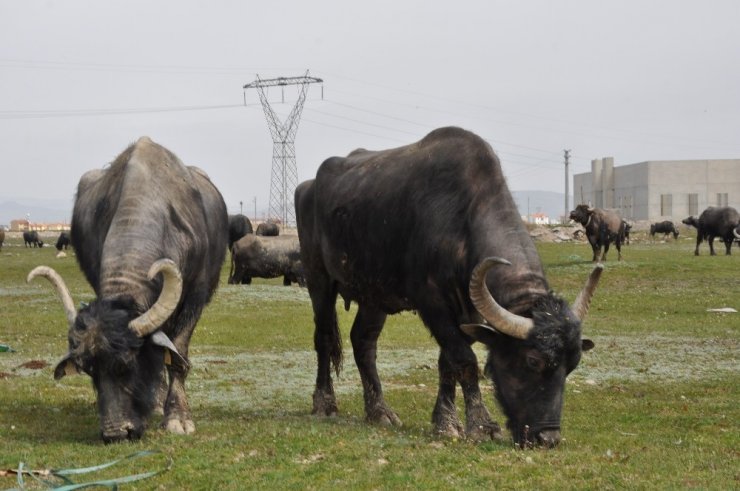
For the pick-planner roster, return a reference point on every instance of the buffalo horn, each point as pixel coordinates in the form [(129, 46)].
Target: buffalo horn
[(61, 288), (152, 319), (504, 321), (583, 300), (734, 231)]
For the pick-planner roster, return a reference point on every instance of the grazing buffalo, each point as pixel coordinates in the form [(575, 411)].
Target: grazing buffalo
[(62, 241), (266, 257), (268, 229), (150, 236), (432, 227), (715, 222), (665, 228), (627, 229), (31, 239), (239, 226), (602, 228)]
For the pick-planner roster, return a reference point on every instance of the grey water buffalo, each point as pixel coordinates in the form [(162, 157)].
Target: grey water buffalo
[(239, 226), (602, 228), (150, 237), (715, 222), (667, 227), (63, 241), (268, 229), (266, 257), (31, 239), (432, 227)]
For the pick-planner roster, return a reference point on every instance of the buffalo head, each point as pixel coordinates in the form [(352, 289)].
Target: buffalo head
[(582, 214), (530, 357), (123, 351)]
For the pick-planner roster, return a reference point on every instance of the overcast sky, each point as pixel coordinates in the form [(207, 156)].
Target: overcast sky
[(636, 80)]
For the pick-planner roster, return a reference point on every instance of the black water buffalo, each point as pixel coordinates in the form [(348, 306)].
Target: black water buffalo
[(150, 236), (62, 241), (31, 239), (432, 227), (266, 257), (239, 226), (665, 228), (715, 222), (627, 230), (268, 229), (2, 238), (602, 228)]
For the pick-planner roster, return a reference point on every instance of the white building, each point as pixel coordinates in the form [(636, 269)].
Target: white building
[(659, 189)]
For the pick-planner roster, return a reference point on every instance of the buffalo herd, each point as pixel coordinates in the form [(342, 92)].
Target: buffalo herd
[(429, 227)]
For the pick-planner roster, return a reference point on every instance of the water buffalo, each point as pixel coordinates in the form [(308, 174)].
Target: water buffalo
[(266, 257), (31, 239), (62, 241), (239, 226), (150, 236), (627, 230), (432, 227), (268, 229), (715, 222), (2, 238), (665, 228), (602, 228)]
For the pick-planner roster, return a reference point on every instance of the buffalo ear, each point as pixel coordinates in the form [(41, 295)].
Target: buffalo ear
[(587, 344), (160, 339), (65, 367), (480, 332)]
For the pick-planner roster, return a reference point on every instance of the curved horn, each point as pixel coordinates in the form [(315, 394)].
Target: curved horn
[(504, 321), (61, 288), (734, 231), (583, 300), (152, 319)]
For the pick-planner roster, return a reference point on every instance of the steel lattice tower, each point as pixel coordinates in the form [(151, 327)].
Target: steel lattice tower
[(284, 175)]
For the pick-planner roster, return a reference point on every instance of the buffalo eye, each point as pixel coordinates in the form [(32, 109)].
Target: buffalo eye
[(535, 362)]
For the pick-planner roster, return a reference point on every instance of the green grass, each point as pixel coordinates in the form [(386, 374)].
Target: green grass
[(654, 406)]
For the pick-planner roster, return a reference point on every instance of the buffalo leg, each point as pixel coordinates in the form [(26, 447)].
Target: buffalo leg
[(327, 343), (177, 417), (365, 331), (444, 416), (728, 246), (462, 363), (711, 245)]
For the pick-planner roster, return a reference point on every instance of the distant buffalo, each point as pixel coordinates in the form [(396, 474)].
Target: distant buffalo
[(2, 238), (715, 222), (602, 228), (268, 229), (239, 226), (665, 228), (627, 229), (62, 241), (31, 239), (266, 257)]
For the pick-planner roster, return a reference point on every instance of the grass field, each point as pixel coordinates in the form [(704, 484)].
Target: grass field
[(655, 405)]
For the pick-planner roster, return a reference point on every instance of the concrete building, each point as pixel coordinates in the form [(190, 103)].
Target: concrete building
[(659, 189)]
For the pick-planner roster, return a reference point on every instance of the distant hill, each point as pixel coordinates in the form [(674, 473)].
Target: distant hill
[(550, 203), (39, 210)]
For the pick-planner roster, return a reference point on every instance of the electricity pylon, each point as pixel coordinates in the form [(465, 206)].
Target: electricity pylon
[(284, 175)]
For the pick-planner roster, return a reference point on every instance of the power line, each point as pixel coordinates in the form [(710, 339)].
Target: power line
[(44, 114)]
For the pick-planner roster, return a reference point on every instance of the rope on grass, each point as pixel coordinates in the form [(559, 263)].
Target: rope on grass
[(69, 485)]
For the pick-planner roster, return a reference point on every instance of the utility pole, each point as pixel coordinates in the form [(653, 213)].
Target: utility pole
[(255, 208), (567, 157), (284, 176)]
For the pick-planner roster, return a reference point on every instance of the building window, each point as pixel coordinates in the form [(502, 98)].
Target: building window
[(721, 199), (693, 204), (666, 205)]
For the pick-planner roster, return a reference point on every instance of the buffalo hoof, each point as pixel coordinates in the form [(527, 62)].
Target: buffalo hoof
[(179, 427), (324, 404), (451, 429), (485, 432), (384, 416)]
